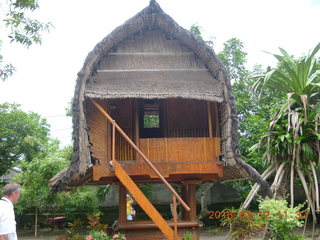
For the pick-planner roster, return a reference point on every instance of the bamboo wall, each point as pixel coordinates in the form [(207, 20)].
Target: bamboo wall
[(183, 119), (97, 125)]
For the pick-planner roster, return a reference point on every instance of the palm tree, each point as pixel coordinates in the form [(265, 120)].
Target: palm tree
[(293, 140)]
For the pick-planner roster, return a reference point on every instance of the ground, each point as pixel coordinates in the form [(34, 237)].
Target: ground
[(206, 234)]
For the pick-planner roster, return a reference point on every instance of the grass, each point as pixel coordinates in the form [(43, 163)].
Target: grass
[(43, 234)]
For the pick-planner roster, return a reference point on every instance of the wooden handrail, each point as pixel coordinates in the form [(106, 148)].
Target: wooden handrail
[(113, 143), (175, 228), (165, 182)]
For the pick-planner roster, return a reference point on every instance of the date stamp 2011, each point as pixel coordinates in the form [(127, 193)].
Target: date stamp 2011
[(246, 214)]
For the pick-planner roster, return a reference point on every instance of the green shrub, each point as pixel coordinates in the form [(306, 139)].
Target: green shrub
[(281, 219), (274, 216), (187, 236)]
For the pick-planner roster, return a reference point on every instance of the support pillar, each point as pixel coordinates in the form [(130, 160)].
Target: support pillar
[(122, 204), (192, 216), (184, 195)]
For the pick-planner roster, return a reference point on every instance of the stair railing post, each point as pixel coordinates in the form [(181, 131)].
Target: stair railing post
[(175, 228), (113, 140)]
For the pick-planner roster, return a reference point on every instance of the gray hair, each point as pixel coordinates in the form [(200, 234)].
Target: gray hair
[(11, 188)]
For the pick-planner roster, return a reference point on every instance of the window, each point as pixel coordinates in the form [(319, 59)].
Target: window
[(151, 115)]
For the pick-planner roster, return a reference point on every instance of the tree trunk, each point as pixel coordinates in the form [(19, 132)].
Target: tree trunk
[(205, 188), (36, 222), (52, 217), (253, 173), (282, 191)]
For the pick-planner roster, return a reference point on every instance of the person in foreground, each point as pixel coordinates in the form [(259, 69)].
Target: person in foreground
[(11, 195)]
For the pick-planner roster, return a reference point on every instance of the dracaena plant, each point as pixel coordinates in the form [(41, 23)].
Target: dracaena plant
[(293, 138)]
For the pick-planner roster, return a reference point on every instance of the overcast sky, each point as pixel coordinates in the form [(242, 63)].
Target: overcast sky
[(45, 78)]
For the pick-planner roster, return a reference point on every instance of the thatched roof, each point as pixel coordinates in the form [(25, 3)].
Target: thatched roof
[(101, 77)]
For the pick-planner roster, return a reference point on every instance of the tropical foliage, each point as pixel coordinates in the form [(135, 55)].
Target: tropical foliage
[(274, 218), (293, 138)]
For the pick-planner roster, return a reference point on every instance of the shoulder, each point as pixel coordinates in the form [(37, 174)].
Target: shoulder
[(5, 207), (3, 203)]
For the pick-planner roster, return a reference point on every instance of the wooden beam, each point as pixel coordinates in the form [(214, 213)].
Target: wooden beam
[(175, 228), (184, 195), (140, 172), (152, 70), (144, 224), (216, 120), (109, 135), (192, 202), (136, 126), (122, 204), (209, 118), (150, 53), (191, 181)]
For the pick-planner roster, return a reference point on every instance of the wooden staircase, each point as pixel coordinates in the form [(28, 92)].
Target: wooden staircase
[(125, 179), (144, 203)]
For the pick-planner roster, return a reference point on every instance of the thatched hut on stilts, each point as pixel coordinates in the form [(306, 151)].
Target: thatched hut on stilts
[(153, 104)]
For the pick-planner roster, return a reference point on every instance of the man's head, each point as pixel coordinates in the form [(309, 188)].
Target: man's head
[(12, 192)]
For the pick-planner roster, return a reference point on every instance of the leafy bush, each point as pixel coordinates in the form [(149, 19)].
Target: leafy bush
[(243, 224), (98, 235), (274, 216), (97, 229), (282, 219), (119, 236), (75, 231), (94, 222), (101, 235), (187, 236), (80, 200)]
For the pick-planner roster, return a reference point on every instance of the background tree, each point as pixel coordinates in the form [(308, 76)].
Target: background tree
[(197, 30), (22, 135), (253, 110), (234, 59), (34, 179), (36, 194), (22, 29)]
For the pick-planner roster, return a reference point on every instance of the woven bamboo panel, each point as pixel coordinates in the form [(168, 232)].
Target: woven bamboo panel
[(123, 149), (182, 150), (121, 111), (97, 124)]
